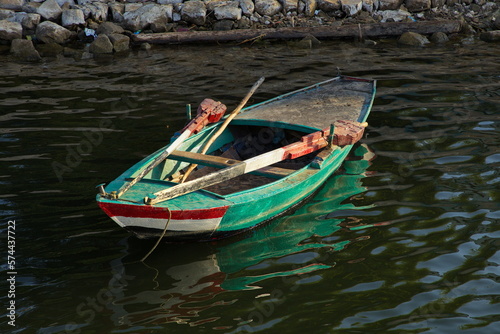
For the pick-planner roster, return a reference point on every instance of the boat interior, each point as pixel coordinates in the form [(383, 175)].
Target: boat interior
[(237, 143)]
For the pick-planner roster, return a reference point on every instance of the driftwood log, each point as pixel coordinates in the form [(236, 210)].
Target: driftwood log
[(371, 30)]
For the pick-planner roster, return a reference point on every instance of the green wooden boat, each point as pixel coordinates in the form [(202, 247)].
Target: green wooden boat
[(270, 158)]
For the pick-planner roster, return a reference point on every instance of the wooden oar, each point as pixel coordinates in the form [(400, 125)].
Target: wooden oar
[(209, 111), (224, 125), (346, 133)]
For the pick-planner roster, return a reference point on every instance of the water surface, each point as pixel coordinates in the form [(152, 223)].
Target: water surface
[(404, 238)]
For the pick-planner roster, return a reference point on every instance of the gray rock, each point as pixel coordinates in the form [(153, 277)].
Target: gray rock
[(437, 3), (417, 5), (244, 23), (120, 42), (212, 4), (101, 45), (389, 4), (24, 50), (290, 5), (130, 7), (61, 3), (352, 7), (329, 5), (223, 25), (439, 37), (412, 39), (98, 11), (50, 10), (109, 28), (72, 17), (49, 50), (393, 15), (370, 5), (10, 30), (227, 12), (169, 2), (147, 15), (247, 7), (117, 9), (6, 14), (31, 7), (267, 7), (29, 21), (12, 4), (496, 19), (50, 32), (310, 7), (490, 36), (194, 12)]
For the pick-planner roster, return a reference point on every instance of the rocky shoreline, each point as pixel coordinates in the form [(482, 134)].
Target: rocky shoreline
[(86, 28)]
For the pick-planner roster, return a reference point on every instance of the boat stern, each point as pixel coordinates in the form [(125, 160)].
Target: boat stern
[(147, 221)]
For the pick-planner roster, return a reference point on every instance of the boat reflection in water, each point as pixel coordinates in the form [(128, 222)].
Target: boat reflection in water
[(181, 282)]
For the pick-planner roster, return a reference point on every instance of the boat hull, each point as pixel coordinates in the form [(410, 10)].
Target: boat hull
[(203, 215)]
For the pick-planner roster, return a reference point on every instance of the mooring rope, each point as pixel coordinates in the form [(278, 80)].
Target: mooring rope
[(161, 236)]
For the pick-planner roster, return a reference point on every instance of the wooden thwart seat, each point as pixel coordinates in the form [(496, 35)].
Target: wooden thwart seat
[(221, 162)]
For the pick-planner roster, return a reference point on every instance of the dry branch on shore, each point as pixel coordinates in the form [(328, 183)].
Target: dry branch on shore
[(345, 31)]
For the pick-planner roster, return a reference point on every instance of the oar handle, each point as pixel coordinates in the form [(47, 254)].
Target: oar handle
[(209, 111), (224, 125)]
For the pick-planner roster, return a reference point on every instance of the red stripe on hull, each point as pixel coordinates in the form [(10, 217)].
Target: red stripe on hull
[(136, 211)]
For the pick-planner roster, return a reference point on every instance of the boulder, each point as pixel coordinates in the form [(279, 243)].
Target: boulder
[(146, 16), (31, 7), (417, 5), (72, 17), (412, 39), (50, 10), (267, 7), (101, 45), (120, 42), (351, 7), (393, 15), (116, 9), (194, 12), (439, 37), (495, 19), (169, 2), (389, 4), (10, 30), (223, 25), (109, 28), (490, 36), (50, 32), (290, 5), (24, 50), (228, 12), (6, 14), (70, 3), (370, 5), (437, 3), (12, 4), (310, 7), (49, 50), (97, 11), (29, 21), (329, 5), (212, 4), (247, 7)]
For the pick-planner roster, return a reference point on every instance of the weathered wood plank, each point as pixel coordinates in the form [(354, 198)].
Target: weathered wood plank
[(222, 162), (343, 31)]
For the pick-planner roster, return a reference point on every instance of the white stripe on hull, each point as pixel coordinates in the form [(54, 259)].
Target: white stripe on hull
[(190, 225)]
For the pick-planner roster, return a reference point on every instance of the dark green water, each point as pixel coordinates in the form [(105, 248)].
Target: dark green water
[(404, 239)]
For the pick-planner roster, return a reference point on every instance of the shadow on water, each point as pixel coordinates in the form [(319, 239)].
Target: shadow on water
[(193, 284)]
